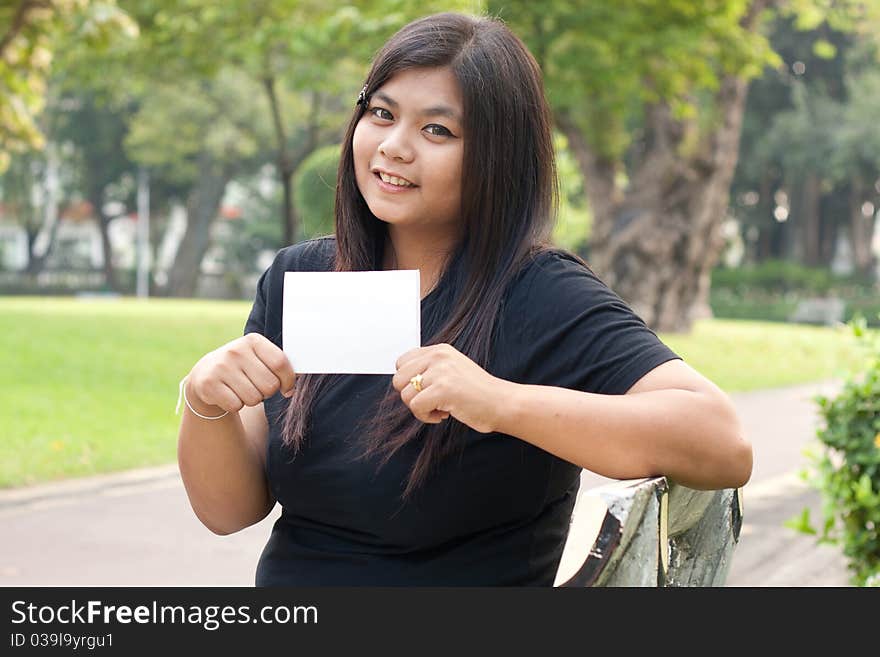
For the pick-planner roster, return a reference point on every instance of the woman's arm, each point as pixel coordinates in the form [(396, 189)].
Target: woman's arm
[(222, 464), (672, 422), (222, 461)]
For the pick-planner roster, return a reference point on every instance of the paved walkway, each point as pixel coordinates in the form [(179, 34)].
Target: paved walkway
[(137, 528)]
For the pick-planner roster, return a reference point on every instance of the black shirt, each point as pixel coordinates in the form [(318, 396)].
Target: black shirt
[(498, 513)]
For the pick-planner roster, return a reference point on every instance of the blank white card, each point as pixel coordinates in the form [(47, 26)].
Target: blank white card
[(350, 322)]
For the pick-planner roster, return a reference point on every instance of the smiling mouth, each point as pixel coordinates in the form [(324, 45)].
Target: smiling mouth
[(394, 181)]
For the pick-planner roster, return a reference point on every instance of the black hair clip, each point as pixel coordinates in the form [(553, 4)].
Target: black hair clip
[(362, 97)]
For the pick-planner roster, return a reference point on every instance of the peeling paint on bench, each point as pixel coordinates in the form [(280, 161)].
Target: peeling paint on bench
[(651, 532)]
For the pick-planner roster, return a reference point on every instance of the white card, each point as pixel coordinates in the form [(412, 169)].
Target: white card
[(350, 322)]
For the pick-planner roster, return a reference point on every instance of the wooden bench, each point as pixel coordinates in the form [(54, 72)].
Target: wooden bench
[(651, 532)]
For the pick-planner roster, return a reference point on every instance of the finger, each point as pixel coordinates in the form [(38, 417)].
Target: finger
[(217, 393), (261, 377), (428, 405), (277, 362), (403, 376), (243, 387), (410, 390), (408, 356), (407, 395)]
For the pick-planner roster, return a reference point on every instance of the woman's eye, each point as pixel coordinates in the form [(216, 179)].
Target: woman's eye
[(438, 130), (381, 113)]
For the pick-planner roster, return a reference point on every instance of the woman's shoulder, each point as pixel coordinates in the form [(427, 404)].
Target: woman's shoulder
[(314, 254), (552, 268)]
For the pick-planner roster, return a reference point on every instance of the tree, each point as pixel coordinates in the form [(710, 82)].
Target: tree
[(799, 143), (24, 174), (807, 169), (855, 164), (650, 95), (300, 62), (307, 58), (217, 135), (95, 131), (29, 34)]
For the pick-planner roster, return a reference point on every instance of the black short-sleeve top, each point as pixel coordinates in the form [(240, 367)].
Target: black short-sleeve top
[(498, 512)]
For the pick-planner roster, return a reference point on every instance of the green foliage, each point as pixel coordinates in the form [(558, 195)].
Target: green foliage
[(28, 40), (775, 276), (315, 192), (771, 291), (257, 230), (846, 468), (810, 128), (751, 304), (574, 220), (222, 120), (801, 523), (604, 62)]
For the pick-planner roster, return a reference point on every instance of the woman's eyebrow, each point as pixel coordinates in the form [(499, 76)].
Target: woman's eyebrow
[(436, 110)]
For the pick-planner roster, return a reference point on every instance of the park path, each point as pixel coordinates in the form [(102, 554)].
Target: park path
[(137, 529)]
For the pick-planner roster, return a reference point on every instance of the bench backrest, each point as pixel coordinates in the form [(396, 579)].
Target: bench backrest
[(651, 532)]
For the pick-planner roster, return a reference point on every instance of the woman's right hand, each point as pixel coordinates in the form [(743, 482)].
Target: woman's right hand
[(241, 373)]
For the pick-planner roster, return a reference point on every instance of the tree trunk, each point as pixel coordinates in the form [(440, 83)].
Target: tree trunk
[(656, 245), (764, 243), (861, 231), (96, 198), (807, 218), (36, 263), (202, 207), (288, 162)]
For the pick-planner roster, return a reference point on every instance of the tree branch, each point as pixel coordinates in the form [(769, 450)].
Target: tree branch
[(311, 141), (20, 21), (277, 122)]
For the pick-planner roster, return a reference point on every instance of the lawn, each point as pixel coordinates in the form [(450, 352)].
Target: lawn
[(91, 385), (743, 355)]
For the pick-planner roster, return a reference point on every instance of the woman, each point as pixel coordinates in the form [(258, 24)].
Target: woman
[(463, 468)]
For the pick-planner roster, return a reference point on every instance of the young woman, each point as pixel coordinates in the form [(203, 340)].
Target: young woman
[(462, 468)]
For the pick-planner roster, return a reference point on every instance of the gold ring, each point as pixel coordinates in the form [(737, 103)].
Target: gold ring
[(416, 382)]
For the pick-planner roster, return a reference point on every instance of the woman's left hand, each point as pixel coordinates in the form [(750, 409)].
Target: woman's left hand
[(452, 384)]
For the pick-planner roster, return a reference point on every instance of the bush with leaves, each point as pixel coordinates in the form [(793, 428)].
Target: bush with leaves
[(846, 468)]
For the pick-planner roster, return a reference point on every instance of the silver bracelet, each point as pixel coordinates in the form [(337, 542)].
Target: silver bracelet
[(182, 394)]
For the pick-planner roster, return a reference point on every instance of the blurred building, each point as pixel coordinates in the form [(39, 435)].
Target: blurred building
[(76, 257)]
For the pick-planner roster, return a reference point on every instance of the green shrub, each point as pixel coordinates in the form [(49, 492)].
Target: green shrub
[(729, 301), (314, 192), (863, 306), (783, 276), (756, 305), (846, 468), (772, 275)]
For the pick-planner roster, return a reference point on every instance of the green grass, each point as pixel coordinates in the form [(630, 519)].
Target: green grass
[(742, 355), (90, 385)]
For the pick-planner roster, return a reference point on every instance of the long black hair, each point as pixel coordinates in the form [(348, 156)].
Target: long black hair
[(508, 202)]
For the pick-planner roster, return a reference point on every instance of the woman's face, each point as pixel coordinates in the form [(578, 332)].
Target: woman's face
[(408, 149)]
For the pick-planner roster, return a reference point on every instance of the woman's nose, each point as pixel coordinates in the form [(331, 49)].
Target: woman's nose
[(395, 146)]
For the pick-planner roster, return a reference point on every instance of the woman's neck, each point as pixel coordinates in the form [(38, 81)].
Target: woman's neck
[(409, 251)]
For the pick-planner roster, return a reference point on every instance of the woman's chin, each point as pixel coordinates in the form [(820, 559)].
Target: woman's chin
[(391, 218)]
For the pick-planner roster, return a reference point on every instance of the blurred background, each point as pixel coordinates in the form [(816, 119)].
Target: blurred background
[(715, 157), (719, 165)]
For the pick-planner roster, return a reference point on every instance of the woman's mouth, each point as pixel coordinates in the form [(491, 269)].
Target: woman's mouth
[(392, 184)]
